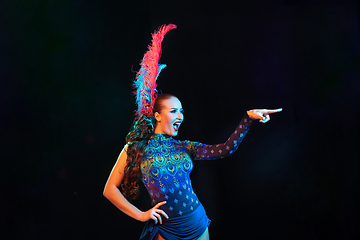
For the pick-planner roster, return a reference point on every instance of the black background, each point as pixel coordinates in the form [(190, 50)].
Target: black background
[(66, 69)]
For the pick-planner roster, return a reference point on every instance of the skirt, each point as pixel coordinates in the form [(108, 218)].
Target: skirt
[(187, 227)]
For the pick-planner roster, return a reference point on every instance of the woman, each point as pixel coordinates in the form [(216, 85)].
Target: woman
[(164, 164)]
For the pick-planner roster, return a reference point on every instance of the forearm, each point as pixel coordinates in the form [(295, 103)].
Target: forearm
[(115, 197), (208, 152)]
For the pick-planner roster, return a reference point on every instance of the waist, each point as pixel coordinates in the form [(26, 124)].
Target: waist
[(177, 205)]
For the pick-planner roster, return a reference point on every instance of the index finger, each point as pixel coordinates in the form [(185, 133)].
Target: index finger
[(274, 110), (160, 204)]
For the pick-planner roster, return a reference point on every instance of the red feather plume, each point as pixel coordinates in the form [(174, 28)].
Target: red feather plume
[(145, 82)]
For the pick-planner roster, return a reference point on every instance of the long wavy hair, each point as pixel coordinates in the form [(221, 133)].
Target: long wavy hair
[(137, 140)]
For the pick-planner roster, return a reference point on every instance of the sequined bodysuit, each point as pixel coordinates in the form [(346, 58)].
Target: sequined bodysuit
[(167, 164)]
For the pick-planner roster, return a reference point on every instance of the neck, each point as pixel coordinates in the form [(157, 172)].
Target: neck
[(158, 129)]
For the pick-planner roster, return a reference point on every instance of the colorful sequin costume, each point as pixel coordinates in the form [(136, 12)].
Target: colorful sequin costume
[(166, 168)]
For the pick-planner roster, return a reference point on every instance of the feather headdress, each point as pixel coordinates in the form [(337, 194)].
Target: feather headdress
[(145, 82)]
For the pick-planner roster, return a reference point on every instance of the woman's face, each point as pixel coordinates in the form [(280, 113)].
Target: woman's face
[(170, 117)]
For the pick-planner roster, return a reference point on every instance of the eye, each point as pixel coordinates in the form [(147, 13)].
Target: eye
[(173, 111), (182, 111)]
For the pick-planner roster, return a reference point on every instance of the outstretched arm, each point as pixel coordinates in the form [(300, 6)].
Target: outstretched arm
[(113, 194), (209, 152)]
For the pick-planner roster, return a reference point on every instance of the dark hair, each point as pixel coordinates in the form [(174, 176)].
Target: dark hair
[(137, 141), (158, 106)]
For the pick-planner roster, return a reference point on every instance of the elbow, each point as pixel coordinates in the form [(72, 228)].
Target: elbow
[(226, 151), (106, 192), (108, 195), (110, 191)]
